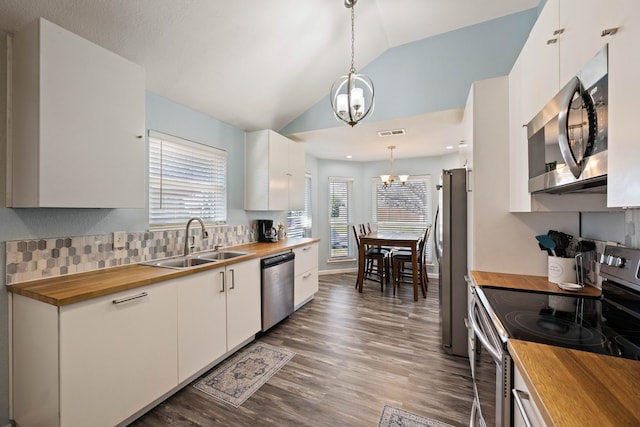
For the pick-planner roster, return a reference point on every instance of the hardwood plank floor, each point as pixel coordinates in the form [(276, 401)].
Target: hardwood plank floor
[(354, 353)]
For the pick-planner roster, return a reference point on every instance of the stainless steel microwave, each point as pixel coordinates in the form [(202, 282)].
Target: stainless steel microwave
[(568, 138)]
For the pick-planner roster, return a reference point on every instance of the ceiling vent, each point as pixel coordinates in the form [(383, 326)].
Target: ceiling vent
[(393, 132)]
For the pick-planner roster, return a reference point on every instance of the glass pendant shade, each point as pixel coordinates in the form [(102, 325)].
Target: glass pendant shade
[(352, 98)]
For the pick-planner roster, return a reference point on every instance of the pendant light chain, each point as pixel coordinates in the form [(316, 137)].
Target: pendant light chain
[(353, 20)]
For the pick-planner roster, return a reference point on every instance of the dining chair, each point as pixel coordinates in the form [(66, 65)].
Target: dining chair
[(376, 262), (400, 258)]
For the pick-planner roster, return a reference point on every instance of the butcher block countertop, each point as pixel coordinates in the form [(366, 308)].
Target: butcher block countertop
[(72, 288), (527, 283), (577, 388)]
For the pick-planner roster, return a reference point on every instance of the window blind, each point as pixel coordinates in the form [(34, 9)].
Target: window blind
[(186, 179), (299, 222), (404, 208), (340, 201)]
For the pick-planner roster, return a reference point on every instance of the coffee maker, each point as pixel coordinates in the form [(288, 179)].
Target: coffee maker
[(266, 231)]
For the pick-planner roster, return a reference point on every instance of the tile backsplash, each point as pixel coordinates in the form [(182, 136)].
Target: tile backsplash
[(40, 258)]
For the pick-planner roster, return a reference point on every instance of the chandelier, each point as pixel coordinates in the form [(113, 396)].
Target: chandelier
[(387, 180), (352, 95)]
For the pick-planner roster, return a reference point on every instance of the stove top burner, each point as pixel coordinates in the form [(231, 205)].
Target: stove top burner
[(554, 330)]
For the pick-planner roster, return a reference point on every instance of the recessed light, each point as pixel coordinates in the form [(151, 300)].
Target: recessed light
[(349, 156), (449, 147)]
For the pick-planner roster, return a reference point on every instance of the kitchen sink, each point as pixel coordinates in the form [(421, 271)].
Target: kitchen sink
[(180, 262), (220, 255)]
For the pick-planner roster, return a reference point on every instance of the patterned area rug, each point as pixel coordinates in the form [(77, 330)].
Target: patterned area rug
[(396, 417), (236, 379)]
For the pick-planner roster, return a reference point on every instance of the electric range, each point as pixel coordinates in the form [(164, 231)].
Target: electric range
[(608, 325)]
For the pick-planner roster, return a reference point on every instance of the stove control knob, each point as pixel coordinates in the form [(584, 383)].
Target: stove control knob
[(603, 259), (615, 261)]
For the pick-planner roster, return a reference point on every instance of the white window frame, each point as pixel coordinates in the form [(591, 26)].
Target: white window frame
[(186, 179), (299, 223), (340, 229), (404, 193)]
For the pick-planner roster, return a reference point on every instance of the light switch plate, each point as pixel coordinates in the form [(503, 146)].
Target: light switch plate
[(119, 239)]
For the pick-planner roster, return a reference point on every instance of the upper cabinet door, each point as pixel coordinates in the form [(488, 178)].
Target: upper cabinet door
[(78, 114), (624, 92), (540, 62), (274, 172), (581, 22)]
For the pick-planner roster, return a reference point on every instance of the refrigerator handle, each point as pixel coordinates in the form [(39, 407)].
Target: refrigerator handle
[(438, 235), (469, 183)]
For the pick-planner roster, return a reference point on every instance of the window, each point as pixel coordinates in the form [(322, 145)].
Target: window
[(340, 199), (186, 179), (299, 222), (404, 208)]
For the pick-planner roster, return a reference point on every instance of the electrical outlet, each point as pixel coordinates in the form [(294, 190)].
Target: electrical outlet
[(119, 239)]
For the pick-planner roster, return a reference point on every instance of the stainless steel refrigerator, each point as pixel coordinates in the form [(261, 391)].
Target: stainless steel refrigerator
[(451, 251)]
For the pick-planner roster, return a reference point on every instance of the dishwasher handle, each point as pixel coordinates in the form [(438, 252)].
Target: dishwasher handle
[(276, 260)]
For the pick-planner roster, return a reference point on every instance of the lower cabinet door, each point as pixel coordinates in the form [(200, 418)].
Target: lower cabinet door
[(244, 317), (202, 332), (118, 353)]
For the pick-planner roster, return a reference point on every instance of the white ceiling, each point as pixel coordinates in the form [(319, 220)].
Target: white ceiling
[(259, 64)]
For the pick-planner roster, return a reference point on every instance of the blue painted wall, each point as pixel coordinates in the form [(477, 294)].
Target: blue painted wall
[(433, 74)]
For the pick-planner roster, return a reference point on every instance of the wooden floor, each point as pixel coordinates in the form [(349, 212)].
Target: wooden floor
[(354, 354)]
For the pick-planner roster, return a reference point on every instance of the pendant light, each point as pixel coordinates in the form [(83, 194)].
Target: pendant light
[(387, 180), (351, 96)]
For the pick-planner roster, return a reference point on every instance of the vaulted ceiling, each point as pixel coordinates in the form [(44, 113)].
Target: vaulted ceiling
[(251, 63)]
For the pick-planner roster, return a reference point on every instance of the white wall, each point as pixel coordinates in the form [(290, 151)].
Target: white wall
[(501, 241)]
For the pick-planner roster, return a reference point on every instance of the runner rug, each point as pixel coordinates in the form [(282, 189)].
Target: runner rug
[(396, 417), (237, 378)]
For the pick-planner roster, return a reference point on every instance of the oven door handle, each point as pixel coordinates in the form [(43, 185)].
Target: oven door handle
[(496, 354), (474, 414)]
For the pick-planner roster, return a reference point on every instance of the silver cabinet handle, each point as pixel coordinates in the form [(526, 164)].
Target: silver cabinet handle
[(125, 299), (518, 397), (306, 248), (233, 279), (306, 276), (609, 32), (222, 276), (552, 41), (558, 31)]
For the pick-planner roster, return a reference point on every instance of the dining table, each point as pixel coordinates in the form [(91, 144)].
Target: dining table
[(394, 239)]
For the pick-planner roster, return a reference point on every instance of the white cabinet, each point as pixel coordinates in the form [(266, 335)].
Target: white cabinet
[(218, 310), (78, 123), (524, 407), (95, 362), (244, 310), (306, 274), (274, 172), (202, 322), (624, 92)]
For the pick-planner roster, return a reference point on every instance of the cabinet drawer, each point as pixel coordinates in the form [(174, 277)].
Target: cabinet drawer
[(306, 258), (305, 286)]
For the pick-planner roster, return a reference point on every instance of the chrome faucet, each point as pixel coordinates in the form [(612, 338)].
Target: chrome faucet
[(187, 249)]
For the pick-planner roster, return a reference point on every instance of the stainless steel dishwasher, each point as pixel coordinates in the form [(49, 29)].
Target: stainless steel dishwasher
[(277, 288)]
